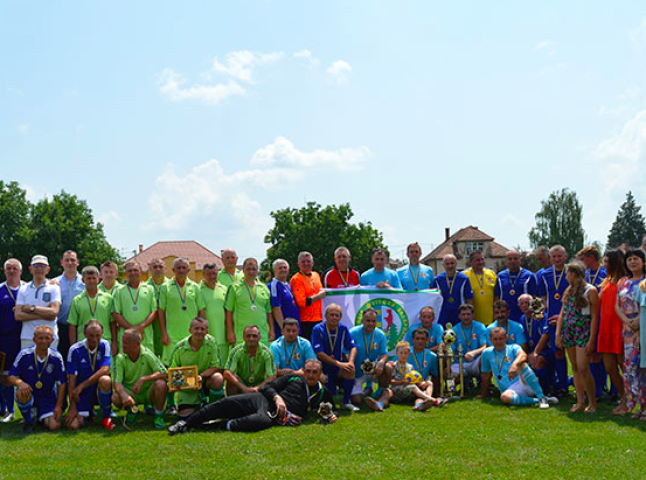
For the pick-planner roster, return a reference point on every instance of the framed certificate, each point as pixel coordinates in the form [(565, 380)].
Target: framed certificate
[(183, 378)]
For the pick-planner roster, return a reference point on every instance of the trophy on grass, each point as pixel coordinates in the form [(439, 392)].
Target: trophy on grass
[(183, 378), (326, 412), (368, 367), (446, 356)]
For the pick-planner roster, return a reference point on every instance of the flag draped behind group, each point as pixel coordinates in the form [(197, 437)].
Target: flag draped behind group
[(397, 310)]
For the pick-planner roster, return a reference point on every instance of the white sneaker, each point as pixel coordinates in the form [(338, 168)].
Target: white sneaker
[(9, 417), (542, 403), (350, 407), (552, 400)]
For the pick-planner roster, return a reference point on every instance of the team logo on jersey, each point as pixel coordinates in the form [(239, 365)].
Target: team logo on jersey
[(50, 368), (511, 337), (297, 356), (47, 297), (392, 319)]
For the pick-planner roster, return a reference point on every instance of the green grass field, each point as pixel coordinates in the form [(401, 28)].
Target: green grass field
[(467, 438)]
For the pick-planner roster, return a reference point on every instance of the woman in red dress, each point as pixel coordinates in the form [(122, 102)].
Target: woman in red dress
[(610, 342)]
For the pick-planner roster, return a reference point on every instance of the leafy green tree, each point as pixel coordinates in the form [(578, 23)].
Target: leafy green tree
[(629, 226), (559, 222), (320, 230), (66, 223), (15, 229)]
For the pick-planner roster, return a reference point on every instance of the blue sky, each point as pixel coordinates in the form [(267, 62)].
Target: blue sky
[(196, 120)]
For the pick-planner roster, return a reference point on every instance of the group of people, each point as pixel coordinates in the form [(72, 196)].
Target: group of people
[(269, 354)]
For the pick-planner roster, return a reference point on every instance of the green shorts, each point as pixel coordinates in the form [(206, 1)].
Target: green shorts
[(190, 397), (143, 398)]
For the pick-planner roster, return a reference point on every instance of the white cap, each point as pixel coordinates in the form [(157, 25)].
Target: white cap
[(39, 259)]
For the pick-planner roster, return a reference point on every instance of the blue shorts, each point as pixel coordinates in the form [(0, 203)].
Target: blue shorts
[(10, 345), (44, 406), (87, 400), (548, 355)]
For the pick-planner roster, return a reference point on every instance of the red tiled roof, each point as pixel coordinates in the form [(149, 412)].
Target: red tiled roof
[(466, 234), (190, 249)]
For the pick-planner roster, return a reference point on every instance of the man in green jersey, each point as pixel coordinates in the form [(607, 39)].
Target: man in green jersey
[(213, 294), (201, 350), (92, 304), (250, 365), (109, 274), (135, 306), (180, 301), (157, 270), (139, 378), (229, 274)]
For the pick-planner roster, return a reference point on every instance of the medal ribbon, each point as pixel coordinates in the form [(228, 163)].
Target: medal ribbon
[(179, 290), (89, 302), (39, 374), (557, 283), (415, 277), (135, 299), (311, 284), (502, 360), (233, 279), (329, 337), (480, 283), (251, 372), (450, 284), (513, 284), (596, 274), (10, 292), (311, 396), (255, 292), (417, 363), (465, 337), (368, 345), (93, 360), (157, 288), (291, 357), (346, 280), (111, 290)]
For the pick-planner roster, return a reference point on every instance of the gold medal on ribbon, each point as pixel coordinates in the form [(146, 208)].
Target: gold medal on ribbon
[(557, 296), (451, 300), (39, 385), (512, 292)]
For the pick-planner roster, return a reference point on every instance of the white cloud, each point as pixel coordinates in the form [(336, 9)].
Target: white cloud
[(638, 35), (306, 55), (23, 128), (340, 71), (171, 87), (35, 194), (282, 152), (547, 46), (240, 64), (220, 197), (622, 154), (109, 218)]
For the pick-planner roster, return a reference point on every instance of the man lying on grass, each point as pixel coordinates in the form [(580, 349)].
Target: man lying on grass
[(281, 402), (516, 381)]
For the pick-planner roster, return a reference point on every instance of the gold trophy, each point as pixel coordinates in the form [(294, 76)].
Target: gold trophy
[(445, 357)]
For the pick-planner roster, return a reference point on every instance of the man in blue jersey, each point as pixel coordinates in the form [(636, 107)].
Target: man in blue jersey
[(455, 289), (9, 334), (283, 303), (427, 322), (542, 255), (89, 382), (513, 282), (372, 351), (595, 274), (553, 285), (539, 354), (472, 337), (380, 276), (415, 276), (330, 339), (291, 351), (71, 283), (513, 330), (516, 381), (38, 373), (422, 358)]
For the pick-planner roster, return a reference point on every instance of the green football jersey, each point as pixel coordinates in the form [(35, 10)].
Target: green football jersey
[(127, 372), (83, 309), (251, 370), (250, 306)]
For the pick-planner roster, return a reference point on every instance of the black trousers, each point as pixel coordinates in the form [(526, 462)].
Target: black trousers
[(248, 413), (63, 339)]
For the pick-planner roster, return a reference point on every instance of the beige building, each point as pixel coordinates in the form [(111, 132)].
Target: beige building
[(196, 254), (461, 244)]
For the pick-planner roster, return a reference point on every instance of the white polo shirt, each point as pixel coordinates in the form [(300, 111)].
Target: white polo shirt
[(42, 296)]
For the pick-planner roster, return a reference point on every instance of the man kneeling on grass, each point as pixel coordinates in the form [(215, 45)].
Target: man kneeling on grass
[(516, 381), (281, 402), (140, 378)]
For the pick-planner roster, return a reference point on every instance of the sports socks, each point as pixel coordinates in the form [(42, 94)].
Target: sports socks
[(531, 381), (105, 401), (25, 410), (215, 395), (347, 390), (522, 400), (561, 374)]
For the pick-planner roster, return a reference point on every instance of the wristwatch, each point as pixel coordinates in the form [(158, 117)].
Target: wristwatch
[(32, 309)]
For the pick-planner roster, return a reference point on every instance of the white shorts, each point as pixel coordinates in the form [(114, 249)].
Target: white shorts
[(521, 388), (470, 369), (357, 388)]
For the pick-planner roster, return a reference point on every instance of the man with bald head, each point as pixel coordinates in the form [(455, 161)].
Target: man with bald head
[(513, 282), (455, 289), (341, 275), (230, 273)]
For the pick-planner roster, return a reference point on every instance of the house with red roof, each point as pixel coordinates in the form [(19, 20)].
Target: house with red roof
[(196, 253), (461, 244)]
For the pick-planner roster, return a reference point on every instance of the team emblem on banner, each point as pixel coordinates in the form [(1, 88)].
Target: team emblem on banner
[(392, 319)]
